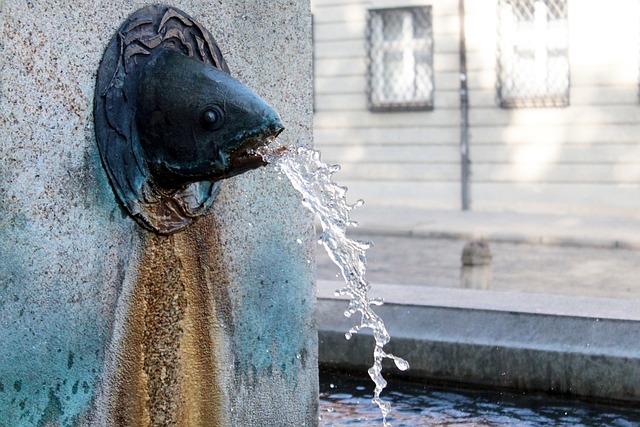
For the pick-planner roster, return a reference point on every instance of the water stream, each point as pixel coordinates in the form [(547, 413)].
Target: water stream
[(326, 199)]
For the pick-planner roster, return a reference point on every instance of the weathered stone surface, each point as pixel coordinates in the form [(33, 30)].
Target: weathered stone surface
[(73, 265)]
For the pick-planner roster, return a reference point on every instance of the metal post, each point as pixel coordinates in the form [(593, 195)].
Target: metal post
[(464, 113)]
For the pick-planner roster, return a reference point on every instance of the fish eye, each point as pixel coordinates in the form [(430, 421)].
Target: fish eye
[(212, 118)]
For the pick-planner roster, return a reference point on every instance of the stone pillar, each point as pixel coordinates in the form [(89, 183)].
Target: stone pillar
[(107, 324)]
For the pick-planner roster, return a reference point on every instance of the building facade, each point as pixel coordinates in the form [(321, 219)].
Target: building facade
[(495, 105)]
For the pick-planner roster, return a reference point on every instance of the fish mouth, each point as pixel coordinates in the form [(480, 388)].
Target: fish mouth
[(245, 158)]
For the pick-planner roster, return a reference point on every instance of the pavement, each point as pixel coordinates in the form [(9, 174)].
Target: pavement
[(561, 254)]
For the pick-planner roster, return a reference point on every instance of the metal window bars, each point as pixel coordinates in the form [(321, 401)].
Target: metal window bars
[(400, 59), (533, 53)]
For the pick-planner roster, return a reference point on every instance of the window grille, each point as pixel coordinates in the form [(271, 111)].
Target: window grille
[(533, 53), (400, 46)]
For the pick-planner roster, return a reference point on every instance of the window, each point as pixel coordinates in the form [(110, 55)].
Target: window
[(400, 45), (533, 60)]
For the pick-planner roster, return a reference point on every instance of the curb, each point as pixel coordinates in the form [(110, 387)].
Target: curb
[(587, 348), (513, 238)]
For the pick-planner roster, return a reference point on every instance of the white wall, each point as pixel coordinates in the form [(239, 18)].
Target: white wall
[(400, 158), (585, 157)]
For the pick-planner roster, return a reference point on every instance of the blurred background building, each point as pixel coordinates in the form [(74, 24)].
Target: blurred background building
[(488, 105)]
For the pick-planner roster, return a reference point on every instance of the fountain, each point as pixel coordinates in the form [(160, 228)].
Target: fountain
[(130, 303), (122, 304)]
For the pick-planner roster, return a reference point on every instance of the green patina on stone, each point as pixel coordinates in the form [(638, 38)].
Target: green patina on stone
[(52, 412)]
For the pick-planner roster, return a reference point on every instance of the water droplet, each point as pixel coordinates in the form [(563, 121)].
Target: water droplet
[(401, 364), (377, 301)]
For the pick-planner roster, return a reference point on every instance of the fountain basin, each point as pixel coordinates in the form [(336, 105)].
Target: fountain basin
[(582, 347)]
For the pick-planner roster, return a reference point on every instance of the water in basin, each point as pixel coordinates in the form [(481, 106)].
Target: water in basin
[(346, 401)]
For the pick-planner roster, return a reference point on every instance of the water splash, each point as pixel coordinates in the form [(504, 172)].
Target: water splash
[(326, 199)]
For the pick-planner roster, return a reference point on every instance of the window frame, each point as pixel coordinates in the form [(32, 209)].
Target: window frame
[(545, 46), (409, 46)]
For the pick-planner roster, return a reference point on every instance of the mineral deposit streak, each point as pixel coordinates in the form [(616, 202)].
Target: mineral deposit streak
[(326, 199)]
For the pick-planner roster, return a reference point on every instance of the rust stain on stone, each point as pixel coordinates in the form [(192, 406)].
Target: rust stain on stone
[(130, 396), (202, 341), (164, 294), (168, 371)]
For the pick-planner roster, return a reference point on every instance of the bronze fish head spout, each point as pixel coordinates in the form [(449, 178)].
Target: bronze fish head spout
[(170, 121), (197, 123)]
